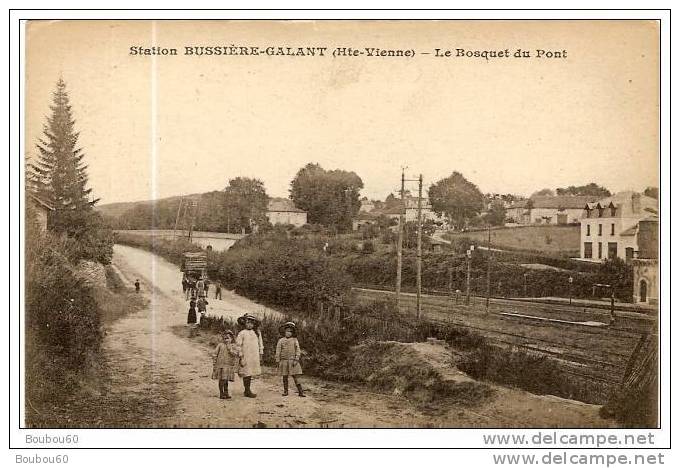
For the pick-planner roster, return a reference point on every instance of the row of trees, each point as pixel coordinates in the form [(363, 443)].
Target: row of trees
[(330, 198), (240, 206)]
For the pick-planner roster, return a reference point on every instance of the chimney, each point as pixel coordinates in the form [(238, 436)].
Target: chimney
[(635, 199)]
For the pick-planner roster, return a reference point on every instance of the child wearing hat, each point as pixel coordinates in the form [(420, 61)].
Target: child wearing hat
[(288, 357), (225, 363), (251, 348)]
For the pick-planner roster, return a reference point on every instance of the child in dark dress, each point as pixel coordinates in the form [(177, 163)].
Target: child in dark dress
[(191, 318)]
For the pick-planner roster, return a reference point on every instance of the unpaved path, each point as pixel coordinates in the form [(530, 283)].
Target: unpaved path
[(150, 353)]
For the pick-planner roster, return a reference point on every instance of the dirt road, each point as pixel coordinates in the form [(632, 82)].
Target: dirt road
[(150, 353)]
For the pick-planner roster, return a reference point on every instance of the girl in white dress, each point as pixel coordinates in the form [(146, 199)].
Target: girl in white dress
[(249, 342)]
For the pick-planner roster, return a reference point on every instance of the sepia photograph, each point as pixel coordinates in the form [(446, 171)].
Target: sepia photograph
[(341, 224)]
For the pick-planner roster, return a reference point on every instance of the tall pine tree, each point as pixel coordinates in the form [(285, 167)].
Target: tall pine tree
[(59, 175)]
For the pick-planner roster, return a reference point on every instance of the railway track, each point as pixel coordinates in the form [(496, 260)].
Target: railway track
[(592, 353)]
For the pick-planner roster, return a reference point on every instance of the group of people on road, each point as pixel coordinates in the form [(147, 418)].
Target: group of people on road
[(242, 355), (196, 292), (195, 288)]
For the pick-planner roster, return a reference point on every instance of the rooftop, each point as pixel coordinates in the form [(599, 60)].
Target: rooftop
[(562, 201), (283, 205)]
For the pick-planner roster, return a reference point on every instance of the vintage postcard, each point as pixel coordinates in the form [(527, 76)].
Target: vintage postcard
[(341, 224)]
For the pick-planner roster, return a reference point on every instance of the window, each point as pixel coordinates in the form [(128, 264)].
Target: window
[(587, 229), (587, 250), (612, 250), (630, 252), (599, 250), (613, 229), (599, 229)]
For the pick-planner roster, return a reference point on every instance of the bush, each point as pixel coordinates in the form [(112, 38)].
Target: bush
[(269, 268), (62, 321), (368, 247)]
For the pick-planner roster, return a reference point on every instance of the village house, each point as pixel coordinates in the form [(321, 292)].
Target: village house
[(284, 211), (548, 209), (557, 209), (518, 213), (411, 210), (42, 210), (619, 226), (367, 206)]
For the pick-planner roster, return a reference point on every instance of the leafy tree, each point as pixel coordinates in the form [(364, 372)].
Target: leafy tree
[(246, 203), (496, 214), (652, 192), (331, 198), (411, 233), (591, 189), (391, 202), (457, 198), (59, 176), (543, 192), (617, 273)]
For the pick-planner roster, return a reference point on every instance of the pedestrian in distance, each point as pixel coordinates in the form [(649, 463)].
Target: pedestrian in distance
[(185, 285), (202, 304), (200, 287), (218, 290), (251, 349), (288, 357), (225, 363), (137, 286), (191, 317)]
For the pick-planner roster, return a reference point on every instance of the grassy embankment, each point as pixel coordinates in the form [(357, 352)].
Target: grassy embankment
[(67, 372)]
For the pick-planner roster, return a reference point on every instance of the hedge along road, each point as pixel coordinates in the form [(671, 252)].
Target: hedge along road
[(150, 353)]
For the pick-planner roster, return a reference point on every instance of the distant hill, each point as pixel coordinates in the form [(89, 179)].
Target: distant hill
[(117, 209)]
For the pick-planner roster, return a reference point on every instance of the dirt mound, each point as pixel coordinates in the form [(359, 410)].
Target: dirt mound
[(425, 372)]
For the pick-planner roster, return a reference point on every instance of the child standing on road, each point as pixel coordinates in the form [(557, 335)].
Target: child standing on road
[(249, 342), (202, 303), (191, 317), (137, 285), (288, 357), (225, 363)]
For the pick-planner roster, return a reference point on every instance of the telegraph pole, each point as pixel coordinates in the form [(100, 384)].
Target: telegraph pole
[(488, 270), (419, 251), (194, 205), (400, 240), (468, 256), (179, 210)]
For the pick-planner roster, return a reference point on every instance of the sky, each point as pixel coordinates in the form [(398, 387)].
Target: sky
[(153, 127)]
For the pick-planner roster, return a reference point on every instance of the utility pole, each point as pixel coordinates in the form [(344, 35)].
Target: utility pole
[(194, 205), (419, 251), (179, 210), (400, 240), (449, 271), (488, 270), (468, 256)]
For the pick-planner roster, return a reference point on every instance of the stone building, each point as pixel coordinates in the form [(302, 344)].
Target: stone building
[(284, 211)]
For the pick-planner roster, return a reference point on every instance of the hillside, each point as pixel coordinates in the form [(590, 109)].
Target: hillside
[(117, 209)]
